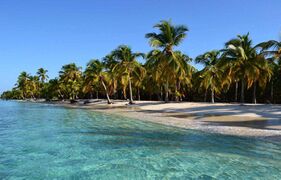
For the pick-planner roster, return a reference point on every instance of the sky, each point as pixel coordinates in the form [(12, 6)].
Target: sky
[(51, 33)]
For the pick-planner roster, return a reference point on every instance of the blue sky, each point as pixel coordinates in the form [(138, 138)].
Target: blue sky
[(51, 33)]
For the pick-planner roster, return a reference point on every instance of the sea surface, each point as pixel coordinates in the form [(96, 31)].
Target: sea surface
[(40, 141)]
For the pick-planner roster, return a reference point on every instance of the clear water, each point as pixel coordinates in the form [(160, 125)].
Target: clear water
[(47, 142)]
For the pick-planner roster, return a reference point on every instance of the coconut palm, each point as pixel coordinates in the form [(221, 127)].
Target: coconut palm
[(168, 37), (28, 85), (264, 74), (182, 73), (127, 65), (53, 90), (271, 47), (70, 80), (212, 75), (34, 86), (272, 50), (109, 63), (23, 84), (152, 82), (42, 74), (138, 76), (276, 69), (244, 64), (240, 54), (90, 82), (95, 74)]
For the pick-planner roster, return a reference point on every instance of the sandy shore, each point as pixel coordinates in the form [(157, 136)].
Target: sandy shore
[(261, 120)]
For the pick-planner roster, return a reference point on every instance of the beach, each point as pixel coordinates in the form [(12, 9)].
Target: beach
[(247, 120)]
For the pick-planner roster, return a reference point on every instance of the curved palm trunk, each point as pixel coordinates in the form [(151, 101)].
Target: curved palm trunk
[(167, 92), (242, 100), (131, 92), (213, 96), (236, 91), (60, 94), (254, 93), (106, 92)]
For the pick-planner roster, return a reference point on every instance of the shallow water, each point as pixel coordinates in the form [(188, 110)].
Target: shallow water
[(48, 142)]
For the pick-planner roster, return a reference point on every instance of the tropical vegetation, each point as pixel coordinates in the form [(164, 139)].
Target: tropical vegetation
[(238, 72)]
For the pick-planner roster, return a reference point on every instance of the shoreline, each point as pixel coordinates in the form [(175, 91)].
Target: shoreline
[(257, 121)]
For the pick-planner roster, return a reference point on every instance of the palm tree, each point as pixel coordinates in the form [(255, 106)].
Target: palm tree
[(109, 63), (276, 69), (138, 76), (152, 82), (34, 86), (271, 47), (53, 89), (168, 37), (183, 75), (244, 64), (211, 76), (28, 85), (42, 74), (90, 82), (70, 80), (272, 50), (95, 74), (127, 65), (22, 83)]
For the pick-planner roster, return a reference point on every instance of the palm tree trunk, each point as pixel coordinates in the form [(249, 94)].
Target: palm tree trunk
[(271, 91), (236, 91), (179, 87), (131, 92), (213, 96), (167, 92), (115, 94), (139, 94), (176, 92), (205, 97), (242, 100), (254, 93), (32, 95), (107, 96), (124, 93), (23, 95), (60, 94), (161, 93)]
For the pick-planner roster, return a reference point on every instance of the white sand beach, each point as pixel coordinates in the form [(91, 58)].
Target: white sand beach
[(260, 120)]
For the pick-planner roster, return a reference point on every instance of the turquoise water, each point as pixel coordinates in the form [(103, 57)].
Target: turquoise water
[(48, 142)]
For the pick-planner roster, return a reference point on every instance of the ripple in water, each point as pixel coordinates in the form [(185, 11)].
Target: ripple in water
[(47, 142)]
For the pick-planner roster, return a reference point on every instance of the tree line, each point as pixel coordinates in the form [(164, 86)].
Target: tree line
[(239, 72)]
